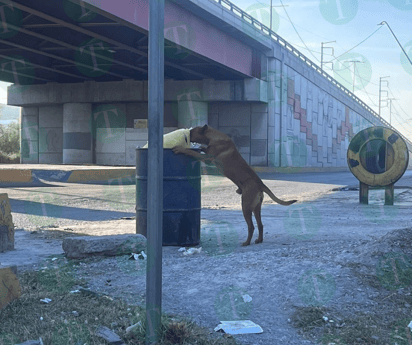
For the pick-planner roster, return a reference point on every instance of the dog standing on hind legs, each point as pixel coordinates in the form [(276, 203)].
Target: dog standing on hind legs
[(222, 151)]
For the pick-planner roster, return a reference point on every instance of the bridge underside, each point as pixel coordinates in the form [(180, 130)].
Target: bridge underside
[(67, 43)]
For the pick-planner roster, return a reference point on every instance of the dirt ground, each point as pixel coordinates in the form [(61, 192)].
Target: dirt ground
[(327, 250)]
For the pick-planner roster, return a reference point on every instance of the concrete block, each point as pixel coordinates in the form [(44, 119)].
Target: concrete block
[(259, 108), (272, 160), (139, 143), (76, 156), (258, 148), (216, 90), (51, 116), (291, 88), (258, 161), (255, 90), (298, 85), (296, 128), (213, 107), (85, 246), (288, 121), (310, 88), (131, 151), (29, 152), (192, 113), (111, 159), (259, 125), (234, 114), (315, 124), (287, 160), (303, 92), (325, 127), (271, 114), (51, 140), (110, 140), (6, 224), (325, 147), (309, 110), (277, 127), (320, 154), (110, 115), (320, 135), (320, 116), (271, 139), (136, 111), (329, 135), (240, 136), (329, 155), (309, 155), (136, 134), (213, 120), (51, 158), (279, 97), (186, 90), (315, 97)]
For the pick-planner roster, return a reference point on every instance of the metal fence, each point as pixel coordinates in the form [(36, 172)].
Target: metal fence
[(267, 31)]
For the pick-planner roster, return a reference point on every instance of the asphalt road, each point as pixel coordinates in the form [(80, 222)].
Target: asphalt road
[(70, 203)]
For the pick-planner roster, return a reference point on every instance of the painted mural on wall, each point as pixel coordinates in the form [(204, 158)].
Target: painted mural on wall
[(324, 124)]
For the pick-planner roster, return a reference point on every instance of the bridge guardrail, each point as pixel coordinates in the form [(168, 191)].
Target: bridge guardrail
[(244, 15)]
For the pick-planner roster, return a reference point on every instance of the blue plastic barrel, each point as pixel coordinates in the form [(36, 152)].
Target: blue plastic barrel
[(181, 197)]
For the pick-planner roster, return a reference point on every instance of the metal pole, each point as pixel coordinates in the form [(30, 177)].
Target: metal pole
[(321, 53), (400, 45), (380, 92), (390, 109), (155, 173), (270, 14), (321, 56), (380, 89)]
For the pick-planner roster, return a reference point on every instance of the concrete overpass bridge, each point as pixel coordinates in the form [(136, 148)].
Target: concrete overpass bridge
[(80, 74)]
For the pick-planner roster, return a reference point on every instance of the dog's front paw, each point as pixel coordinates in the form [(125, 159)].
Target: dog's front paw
[(244, 244), (259, 240), (178, 150)]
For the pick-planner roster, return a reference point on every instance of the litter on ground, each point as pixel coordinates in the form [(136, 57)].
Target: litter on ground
[(239, 327)]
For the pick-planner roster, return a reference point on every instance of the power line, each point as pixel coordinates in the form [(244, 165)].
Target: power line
[(359, 43), (297, 31)]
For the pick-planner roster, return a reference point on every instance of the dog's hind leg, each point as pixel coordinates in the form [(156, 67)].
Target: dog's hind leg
[(257, 213), (247, 213)]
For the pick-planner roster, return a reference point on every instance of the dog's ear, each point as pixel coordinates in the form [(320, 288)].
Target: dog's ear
[(204, 128)]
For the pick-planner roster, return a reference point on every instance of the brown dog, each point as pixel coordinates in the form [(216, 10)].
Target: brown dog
[(222, 151)]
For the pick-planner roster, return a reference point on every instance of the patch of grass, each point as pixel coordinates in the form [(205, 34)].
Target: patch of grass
[(308, 318), (382, 324), (73, 318)]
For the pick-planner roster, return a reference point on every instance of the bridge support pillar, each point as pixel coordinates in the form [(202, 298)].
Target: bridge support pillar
[(77, 135), (29, 134)]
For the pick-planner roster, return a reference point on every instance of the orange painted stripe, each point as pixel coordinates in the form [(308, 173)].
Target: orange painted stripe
[(15, 175), (100, 175)]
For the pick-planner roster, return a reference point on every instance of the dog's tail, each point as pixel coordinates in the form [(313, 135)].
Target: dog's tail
[(274, 198)]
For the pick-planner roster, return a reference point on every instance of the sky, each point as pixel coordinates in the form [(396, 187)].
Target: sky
[(305, 24), (348, 22)]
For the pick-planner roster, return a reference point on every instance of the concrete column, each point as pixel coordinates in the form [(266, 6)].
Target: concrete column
[(29, 134), (77, 136), (192, 113), (51, 134)]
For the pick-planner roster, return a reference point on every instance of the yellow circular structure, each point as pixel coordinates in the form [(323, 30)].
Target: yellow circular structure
[(378, 156)]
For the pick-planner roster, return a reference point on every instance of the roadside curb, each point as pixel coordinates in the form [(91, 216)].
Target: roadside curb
[(40, 176)]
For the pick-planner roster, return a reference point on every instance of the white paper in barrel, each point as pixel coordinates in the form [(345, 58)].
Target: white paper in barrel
[(179, 137)]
